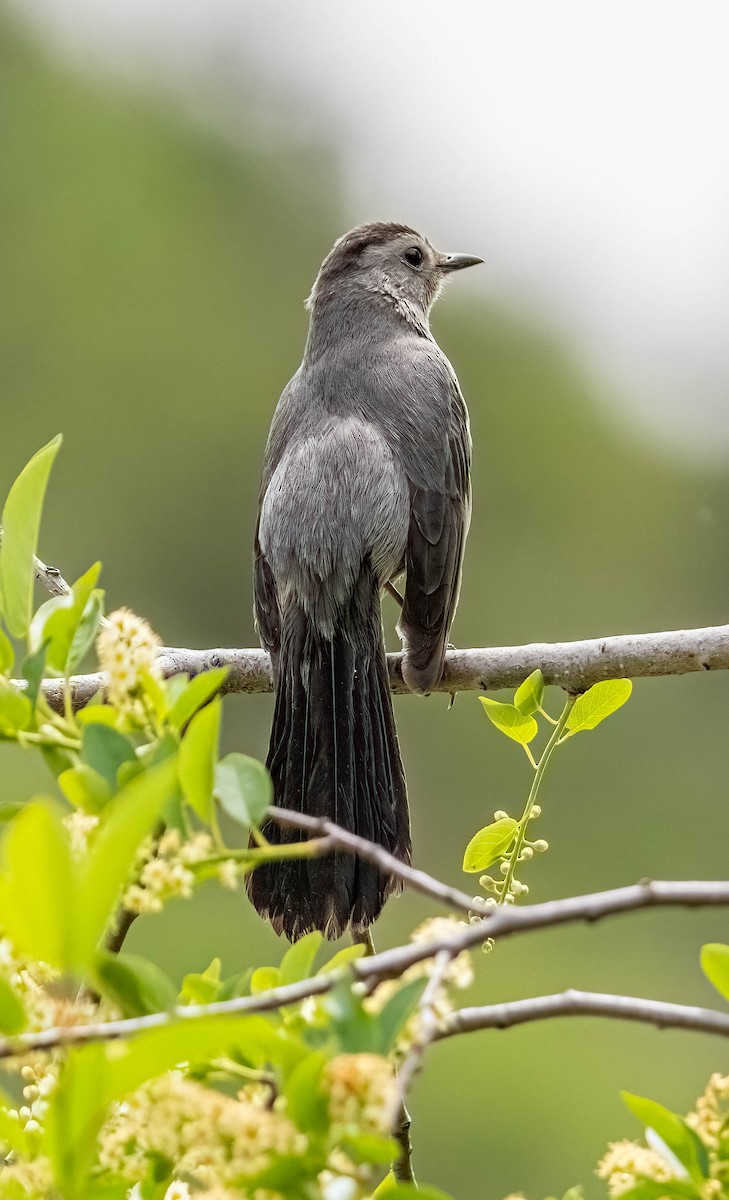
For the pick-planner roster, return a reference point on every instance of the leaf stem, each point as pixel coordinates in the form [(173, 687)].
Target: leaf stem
[(532, 797)]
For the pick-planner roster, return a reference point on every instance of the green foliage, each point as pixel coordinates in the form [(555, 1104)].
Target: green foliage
[(715, 965), (597, 703), (505, 840), (21, 524)]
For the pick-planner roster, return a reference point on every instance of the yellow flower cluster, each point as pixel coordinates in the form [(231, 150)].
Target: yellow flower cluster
[(127, 647), (626, 1162), (362, 1092), (213, 1139), (163, 870), (711, 1111)]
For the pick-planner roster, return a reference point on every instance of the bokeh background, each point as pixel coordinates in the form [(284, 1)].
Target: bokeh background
[(171, 175)]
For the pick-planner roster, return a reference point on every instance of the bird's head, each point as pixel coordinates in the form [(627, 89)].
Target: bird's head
[(389, 261)]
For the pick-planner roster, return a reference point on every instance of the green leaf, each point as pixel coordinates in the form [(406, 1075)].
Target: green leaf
[(489, 844), (7, 654), (137, 985), (198, 753), (390, 1190), (369, 1148), (393, 1017), (195, 694), (97, 714), (715, 965), (86, 630), (298, 961), (105, 750), (202, 989), (12, 1132), (37, 885), (33, 669), (264, 978), (126, 820), (507, 718), (84, 788), (673, 1130), (528, 697), (243, 788), (21, 523), (597, 703), (13, 1017), (57, 620), (16, 710), (358, 1031), (343, 958), (308, 1105)]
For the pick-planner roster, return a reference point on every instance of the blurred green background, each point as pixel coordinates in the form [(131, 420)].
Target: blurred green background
[(152, 310)]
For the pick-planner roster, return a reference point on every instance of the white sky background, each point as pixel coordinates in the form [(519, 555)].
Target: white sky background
[(581, 147)]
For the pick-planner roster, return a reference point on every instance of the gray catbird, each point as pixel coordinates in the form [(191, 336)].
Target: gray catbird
[(366, 474)]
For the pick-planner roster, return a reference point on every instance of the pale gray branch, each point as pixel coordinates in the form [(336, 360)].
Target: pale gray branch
[(573, 666), (393, 963), (586, 1004)]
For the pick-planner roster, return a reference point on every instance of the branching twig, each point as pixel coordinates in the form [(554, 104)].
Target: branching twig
[(586, 1004), (574, 666), (391, 964), (428, 1024), (342, 839)]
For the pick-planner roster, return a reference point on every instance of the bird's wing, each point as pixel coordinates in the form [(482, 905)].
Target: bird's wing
[(440, 509)]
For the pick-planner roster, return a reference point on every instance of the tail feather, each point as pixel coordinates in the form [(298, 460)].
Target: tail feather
[(333, 753)]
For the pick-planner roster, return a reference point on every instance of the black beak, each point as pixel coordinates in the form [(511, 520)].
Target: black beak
[(456, 262)]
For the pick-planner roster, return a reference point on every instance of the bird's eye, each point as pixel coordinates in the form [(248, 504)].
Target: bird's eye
[(414, 256)]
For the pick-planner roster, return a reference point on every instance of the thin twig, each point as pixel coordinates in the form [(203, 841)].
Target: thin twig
[(49, 577), (428, 1024), (586, 1004), (391, 964), (342, 839), (573, 666)]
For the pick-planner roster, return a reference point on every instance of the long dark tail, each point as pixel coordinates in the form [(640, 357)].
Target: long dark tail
[(334, 753)]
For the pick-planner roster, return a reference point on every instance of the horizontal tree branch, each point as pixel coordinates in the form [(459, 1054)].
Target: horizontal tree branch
[(573, 666), (391, 964), (585, 1004)]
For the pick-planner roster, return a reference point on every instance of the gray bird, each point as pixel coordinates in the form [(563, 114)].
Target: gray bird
[(366, 475)]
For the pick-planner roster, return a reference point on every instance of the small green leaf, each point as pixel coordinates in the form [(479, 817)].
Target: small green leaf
[(243, 788), (343, 958), (37, 885), (13, 1017), (509, 720), (195, 694), (84, 788), (264, 978), (198, 753), (21, 523), (489, 844), (307, 1104), (370, 1148), (16, 710), (673, 1130), (7, 655), (298, 961), (396, 1012), (137, 985), (97, 714), (597, 703), (126, 820), (528, 697), (202, 989), (715, 965), (86, 630), (389, 1189), (33, 669), (105, 750)]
